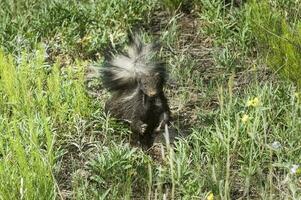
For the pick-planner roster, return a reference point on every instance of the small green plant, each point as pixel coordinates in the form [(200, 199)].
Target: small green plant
[(116, 160)]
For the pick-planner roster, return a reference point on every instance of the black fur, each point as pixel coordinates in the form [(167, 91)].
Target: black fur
[(140, 110)]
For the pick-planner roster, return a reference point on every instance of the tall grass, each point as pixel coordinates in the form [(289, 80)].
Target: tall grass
[(37, 102), (277, 28)]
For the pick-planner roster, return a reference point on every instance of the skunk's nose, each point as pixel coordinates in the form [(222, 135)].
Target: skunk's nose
[(152, 93)]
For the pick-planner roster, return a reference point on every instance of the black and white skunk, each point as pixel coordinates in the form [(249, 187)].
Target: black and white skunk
[(136, 80)]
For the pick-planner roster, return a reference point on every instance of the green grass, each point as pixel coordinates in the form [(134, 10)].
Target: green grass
[(279, 34), (238, 123), (75, 28), (38, 102)]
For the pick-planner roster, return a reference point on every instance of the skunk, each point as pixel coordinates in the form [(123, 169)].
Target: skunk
[(136, 79)]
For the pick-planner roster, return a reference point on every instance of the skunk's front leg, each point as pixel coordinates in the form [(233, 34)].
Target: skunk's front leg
[(164, 119), (138, 127)]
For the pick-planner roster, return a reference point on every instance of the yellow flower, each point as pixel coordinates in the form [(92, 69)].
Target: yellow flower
[(253, 102), (245, 118), (210, 196)]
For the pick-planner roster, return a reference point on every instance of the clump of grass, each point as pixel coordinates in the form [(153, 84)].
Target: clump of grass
[(76, 28), (37, 102), (278, 32), (229, 28), (121, 166)]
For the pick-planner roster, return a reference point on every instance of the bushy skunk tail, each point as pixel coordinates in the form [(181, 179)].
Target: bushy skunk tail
[(124, 70)]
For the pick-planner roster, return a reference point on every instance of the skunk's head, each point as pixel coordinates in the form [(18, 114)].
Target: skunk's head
[(151, 84)]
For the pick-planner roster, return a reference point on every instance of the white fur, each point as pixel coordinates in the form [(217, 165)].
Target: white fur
[(130, 96), (130, 68)]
